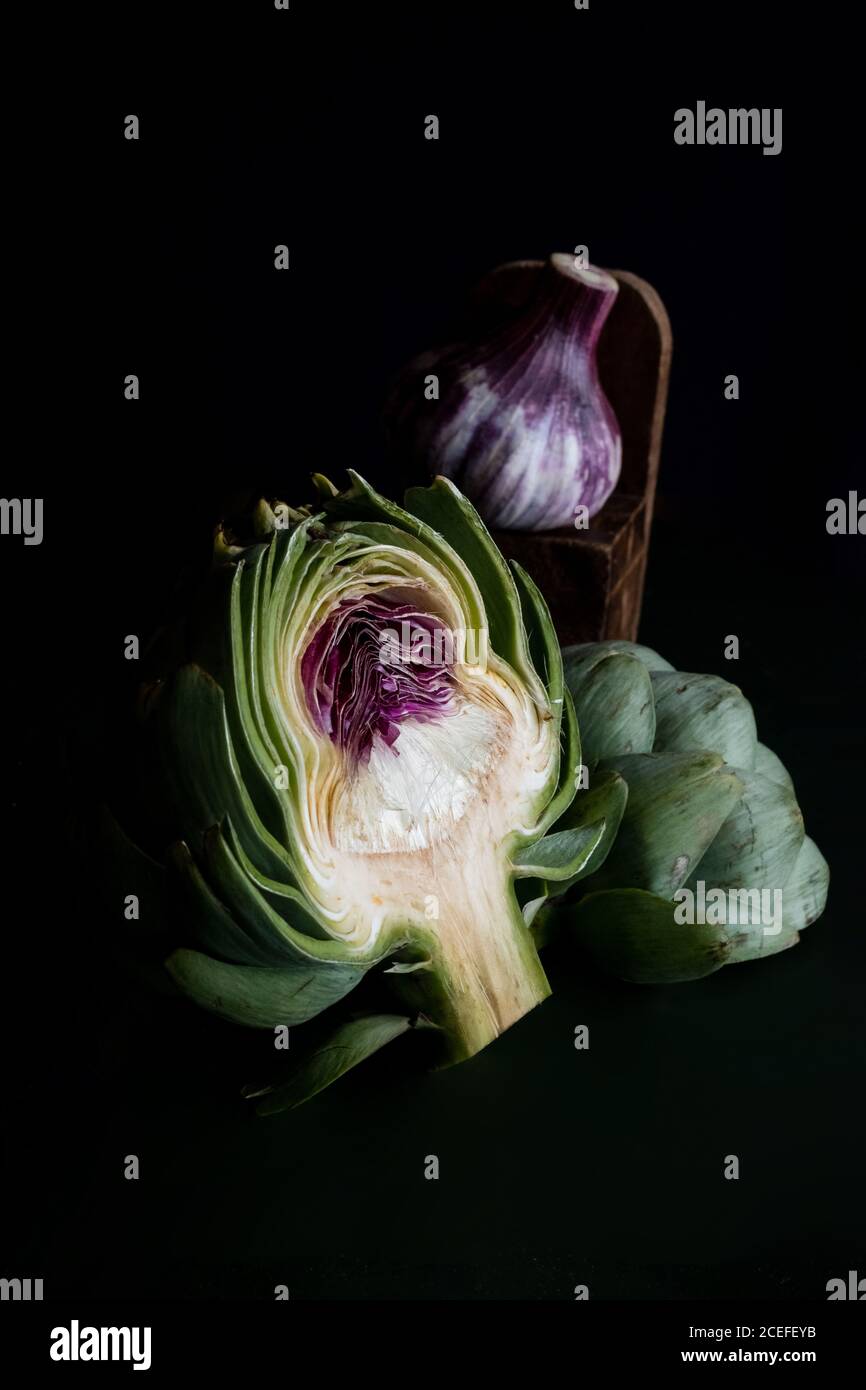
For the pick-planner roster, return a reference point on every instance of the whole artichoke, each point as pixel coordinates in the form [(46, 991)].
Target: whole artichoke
[(711, 864)]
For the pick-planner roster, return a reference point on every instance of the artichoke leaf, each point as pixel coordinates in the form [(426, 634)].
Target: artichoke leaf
[(547, 922), (805, 893), (547, 661), (560, 855), (352, 1042), (580, 658), (255, 748), (324, 487), (361, 503), (769, 764), (594, 815), (259, 997), (758, 842), (617, 708), (703, 713), (286, 900), (125, 869), (677, 803), (803, 900), (209, 922), (634, 935), (569, 767), (603, 802), (531, 908), (544, 649), (268, 928), (444, 508), (202, 772)]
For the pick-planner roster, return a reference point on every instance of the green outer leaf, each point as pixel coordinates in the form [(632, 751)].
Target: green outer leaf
[(531, 908), (324, 487), (584, 655), (559, 856), (569, 767), (676, 805), (617, 708), (751, 942), (259, 997), (548, 923), (257, 753), (758, 842), (266, 926), (351, 1043), (633, 935), (209, 791), (442, 507), (362, 503), (544, 650), (547, 661), (602, 805), (803, 900), (769, 765), (409, 967), (286, 900), (805, 893), (125, 869), (703, 714), (200, 767), (299, 567), (596, 813), (745, 933), (387, 533), (210, 924), (603, 802)]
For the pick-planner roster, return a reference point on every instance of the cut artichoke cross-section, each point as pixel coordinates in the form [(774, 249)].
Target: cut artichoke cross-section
[(425, 760), (366, 766)]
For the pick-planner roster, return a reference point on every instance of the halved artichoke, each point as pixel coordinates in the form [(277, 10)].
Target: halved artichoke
[(344, 794)]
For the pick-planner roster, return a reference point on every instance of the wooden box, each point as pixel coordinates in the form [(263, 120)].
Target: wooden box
[(593, 579)]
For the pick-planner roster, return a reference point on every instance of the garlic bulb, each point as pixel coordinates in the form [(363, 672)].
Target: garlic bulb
[(520, 423)]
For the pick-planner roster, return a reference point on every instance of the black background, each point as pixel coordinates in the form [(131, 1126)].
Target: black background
[(557, 1167)]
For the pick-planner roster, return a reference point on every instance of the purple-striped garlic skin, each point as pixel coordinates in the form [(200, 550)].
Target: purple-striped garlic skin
[(522, 425)]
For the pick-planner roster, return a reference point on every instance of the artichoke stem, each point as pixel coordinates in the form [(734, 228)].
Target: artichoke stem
[(486, 972)]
